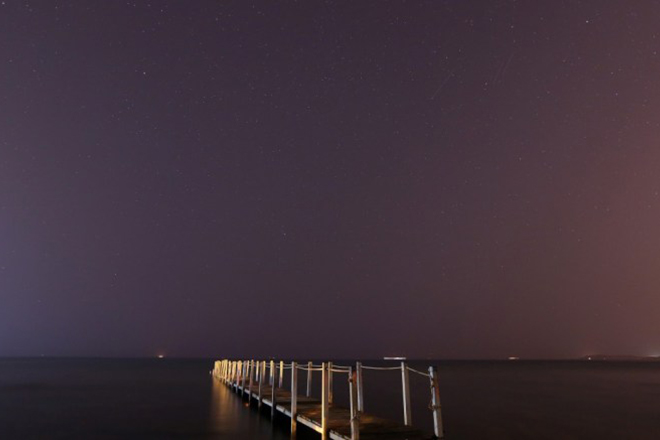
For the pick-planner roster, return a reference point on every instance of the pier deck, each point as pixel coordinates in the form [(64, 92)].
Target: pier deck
[(249, 378), (338, 421)]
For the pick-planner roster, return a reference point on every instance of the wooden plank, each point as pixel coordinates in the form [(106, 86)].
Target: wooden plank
[(371, 427)]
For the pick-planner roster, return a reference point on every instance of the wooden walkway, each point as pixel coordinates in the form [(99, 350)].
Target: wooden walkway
[(249, 379)]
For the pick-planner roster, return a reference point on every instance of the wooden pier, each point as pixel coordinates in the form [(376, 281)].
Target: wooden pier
[(262, 382)]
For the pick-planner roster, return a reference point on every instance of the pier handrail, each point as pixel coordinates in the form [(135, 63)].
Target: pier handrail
[(342, 366), (309, 369), (341, 370), (366, 367), (421, 373)]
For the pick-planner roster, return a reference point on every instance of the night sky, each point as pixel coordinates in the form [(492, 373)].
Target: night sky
[(448, 179)]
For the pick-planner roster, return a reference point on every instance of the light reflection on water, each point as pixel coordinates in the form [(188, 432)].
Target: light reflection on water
[(231, 417)]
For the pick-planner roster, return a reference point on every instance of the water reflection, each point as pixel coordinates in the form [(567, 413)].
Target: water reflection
[(177, 399), (230, 417)]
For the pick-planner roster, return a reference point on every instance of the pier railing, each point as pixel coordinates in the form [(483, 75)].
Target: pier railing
[(244, 375)]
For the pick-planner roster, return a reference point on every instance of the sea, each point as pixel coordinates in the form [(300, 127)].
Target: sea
[(42, 398)]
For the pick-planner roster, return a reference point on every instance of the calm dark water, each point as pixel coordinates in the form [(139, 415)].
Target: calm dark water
[(162, 399)]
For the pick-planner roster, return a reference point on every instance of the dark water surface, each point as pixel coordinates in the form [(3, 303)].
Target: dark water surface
[(162, 399)]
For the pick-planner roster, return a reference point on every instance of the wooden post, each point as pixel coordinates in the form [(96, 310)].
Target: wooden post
[(324, 401), (242, 384), (239, 368), (309, 379), (259, 384), (250, 374), (262, 372), (273, 388), (360, 392), (435, 402), (405, 384), (246, 368), (352, 394), (294, 397), (281, 381), (272, 373), (329, 383), (231, 373)]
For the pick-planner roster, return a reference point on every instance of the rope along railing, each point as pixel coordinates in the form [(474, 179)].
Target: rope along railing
[(380, 368), (249, 377), (310, 369), (421, 373)]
